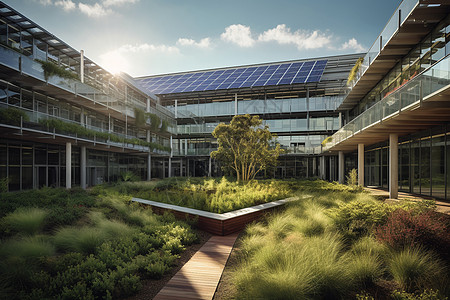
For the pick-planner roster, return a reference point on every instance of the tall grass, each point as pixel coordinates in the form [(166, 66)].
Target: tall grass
[(415, 268), (28, 220)]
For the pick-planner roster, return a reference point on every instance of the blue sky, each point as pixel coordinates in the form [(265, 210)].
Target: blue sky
[(146, 37)]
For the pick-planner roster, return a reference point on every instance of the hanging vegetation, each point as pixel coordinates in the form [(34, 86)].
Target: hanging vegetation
[(52, 69), (354, 70)]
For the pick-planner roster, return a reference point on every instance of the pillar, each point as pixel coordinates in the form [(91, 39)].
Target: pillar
[(170, 167), (82, 65), (83, 167), (322, 167), (235, 105), (341, 167), (149, 167), (209, 167), (68, 165), (393, 166), (361, 164)]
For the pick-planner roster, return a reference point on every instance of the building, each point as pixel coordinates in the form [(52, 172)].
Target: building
[(64, 121), (390, 120), (397, 110), (296, 99)]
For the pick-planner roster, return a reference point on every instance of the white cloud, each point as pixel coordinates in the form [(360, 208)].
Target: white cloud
[(353, 44), (238, 34), (203, 43), (44, 2), (67, 5), (95, 10), (300, 38), (107, 3)]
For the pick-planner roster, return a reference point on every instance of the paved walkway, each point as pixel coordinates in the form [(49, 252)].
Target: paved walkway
[(199, 277), (442, 207)]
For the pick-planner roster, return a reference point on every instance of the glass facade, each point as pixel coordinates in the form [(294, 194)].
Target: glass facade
[(423, 159)]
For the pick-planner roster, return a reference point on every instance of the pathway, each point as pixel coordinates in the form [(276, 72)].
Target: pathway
[(199, 277), (442, 207)]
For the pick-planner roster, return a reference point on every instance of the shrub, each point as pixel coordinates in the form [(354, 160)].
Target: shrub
[(369, 246), (28, 247), (427, 294), (365, 269), (13, 116), (352, 178), (406, 229), (357, 218), (417, 268), (25, 220)]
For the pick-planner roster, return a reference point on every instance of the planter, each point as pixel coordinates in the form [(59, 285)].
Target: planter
[(219, 224)]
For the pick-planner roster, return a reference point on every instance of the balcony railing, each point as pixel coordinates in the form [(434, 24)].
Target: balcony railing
[(407, 95), (395, 22), (34, 122), (28, 66)]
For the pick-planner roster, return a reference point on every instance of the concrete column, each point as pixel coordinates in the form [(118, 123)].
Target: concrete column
[(170, 167), (68, 165), (322, 167), (176, 109), (149, 167), (82, 65), (83, 167), (235, 105), (341, 167), (393, 166), (209, 167), (361, 164), (186, 147)]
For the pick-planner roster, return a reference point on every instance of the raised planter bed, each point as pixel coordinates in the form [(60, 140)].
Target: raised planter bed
[(220, 224)]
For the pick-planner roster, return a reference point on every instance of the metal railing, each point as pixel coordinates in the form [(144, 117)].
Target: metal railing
[(409, 94)]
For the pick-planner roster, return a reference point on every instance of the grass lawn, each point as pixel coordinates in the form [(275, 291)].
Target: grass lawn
[(217, 195), (341, 244), (59, 244)]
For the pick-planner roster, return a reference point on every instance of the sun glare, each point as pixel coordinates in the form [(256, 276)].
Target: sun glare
[(114, 62)]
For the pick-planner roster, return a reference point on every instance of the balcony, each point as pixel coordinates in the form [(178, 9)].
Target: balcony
[(421, 103), (33, 128)]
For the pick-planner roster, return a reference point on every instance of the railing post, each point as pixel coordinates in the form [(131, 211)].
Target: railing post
[(420, 92)]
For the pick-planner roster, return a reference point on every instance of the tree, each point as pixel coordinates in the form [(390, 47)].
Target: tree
[(245, 146)]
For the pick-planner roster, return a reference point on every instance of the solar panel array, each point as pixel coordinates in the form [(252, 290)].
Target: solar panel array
[(257, 76)]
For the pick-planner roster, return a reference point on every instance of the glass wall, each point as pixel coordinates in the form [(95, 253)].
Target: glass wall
[(423, 163)]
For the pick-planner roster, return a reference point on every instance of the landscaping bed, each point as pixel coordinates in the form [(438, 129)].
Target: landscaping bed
[(75, 244), (341, 244)]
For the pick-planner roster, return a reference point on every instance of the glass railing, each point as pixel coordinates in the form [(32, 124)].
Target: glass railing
[(258, 106), (409, 94), (26, 65), (396, 20), (34, 122)]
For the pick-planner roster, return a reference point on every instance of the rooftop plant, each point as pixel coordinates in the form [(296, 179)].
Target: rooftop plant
[(354, 70), (52, 69)]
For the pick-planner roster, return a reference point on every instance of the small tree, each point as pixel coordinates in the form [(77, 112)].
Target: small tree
[(245, 146)]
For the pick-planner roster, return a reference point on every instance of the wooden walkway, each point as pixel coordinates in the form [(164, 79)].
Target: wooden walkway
[(442, 207), (199, 277)]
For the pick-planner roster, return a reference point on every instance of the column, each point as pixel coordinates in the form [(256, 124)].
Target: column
[(209, 168), (393, 166), (341, 167), (68, 165), (82, 65), (235, 105), (83, 167), (149, 167), (361, 164), (170, 167), (322, 167), (186, 147)]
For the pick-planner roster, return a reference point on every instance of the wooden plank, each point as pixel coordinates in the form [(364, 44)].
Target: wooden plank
[(199, 277)]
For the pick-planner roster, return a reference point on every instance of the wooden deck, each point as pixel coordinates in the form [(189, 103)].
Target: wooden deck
[(442, 207), (199, 277)]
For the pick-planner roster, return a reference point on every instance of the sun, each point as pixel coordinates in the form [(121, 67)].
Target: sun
[(114, 62)]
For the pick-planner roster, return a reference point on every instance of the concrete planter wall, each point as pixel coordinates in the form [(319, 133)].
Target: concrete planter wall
[(220, 224)]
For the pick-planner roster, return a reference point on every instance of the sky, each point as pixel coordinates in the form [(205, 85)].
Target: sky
[(149, 37)]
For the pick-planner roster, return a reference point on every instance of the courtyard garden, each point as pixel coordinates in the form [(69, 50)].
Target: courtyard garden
[(335, 242)]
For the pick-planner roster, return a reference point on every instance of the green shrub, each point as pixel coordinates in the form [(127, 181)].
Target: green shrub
[(352, 178), (4, 184), (28, 220), (13, 116), (28, 247), (417, 268), (369, 246), (365, 269), (427, 294)]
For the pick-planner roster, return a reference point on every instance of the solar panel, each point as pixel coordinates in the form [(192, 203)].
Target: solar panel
[(233, 78)]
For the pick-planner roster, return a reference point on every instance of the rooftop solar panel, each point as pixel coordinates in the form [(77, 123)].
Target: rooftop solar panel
[(256, 76)]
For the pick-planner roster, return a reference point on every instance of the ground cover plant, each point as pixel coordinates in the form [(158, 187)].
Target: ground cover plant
[(60, 244), (339, 243), (217, 195)]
